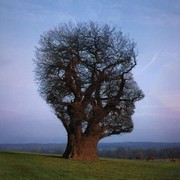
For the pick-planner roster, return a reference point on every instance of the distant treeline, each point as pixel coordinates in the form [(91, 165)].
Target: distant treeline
[(138, 150), (35, 148), (149, 154), (113, 150)]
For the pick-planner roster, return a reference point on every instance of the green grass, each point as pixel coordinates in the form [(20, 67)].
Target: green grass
[(28, 166)]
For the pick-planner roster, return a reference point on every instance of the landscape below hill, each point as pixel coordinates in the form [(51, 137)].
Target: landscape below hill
[(125, 150)]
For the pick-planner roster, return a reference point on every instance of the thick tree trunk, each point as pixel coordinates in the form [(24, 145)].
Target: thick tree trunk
[(84, 148), (68, 150)]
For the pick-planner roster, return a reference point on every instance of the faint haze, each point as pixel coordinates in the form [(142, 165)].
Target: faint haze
[(154, 25)]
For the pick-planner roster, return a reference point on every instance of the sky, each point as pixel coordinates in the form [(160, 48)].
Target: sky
[(153, 24)]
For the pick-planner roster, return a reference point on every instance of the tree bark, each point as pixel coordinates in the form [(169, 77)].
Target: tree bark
[(81, 149), (68, 150)]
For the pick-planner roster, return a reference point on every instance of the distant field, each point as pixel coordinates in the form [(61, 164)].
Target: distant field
[(22, 166)]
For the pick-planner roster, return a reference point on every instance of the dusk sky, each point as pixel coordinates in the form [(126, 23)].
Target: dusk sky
[(153, 24)]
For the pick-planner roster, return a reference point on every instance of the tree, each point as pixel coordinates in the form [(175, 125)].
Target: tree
[(84, 72)]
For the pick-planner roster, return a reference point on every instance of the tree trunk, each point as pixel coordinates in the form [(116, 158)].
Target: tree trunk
[(68, 150), (84, 148)]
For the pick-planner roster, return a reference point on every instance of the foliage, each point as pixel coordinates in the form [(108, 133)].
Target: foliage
[(84, 73)]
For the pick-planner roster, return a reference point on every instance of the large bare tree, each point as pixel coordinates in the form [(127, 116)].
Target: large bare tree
[(84, 72)]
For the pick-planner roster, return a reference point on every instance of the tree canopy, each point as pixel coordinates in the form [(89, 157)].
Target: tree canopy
[(84, 72)]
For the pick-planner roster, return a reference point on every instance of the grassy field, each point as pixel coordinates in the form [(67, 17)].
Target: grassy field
[(22, 166)]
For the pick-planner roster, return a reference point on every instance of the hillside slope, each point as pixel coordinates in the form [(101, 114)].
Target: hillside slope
[(38, 166)]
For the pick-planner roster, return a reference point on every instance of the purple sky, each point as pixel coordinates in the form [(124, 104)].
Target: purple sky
[(154, 25)]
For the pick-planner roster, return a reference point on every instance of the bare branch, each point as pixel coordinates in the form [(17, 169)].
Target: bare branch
[(84, 72)]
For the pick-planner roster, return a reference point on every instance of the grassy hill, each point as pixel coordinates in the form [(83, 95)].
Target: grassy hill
[(39, 166)]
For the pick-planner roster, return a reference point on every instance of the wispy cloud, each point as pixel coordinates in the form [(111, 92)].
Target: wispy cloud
[(34, 11), (155, 13), (161, 18), (166, 88), (151, 61)]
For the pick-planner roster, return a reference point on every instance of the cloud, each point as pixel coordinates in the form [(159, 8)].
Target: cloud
[(151, 61), (37, 12), (167, 86), (161, 18), (152, 12)]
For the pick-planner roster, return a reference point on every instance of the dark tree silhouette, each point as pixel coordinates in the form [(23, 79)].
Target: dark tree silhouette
[(84, 72)]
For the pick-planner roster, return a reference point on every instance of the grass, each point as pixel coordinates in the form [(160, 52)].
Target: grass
[(22, 166)]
